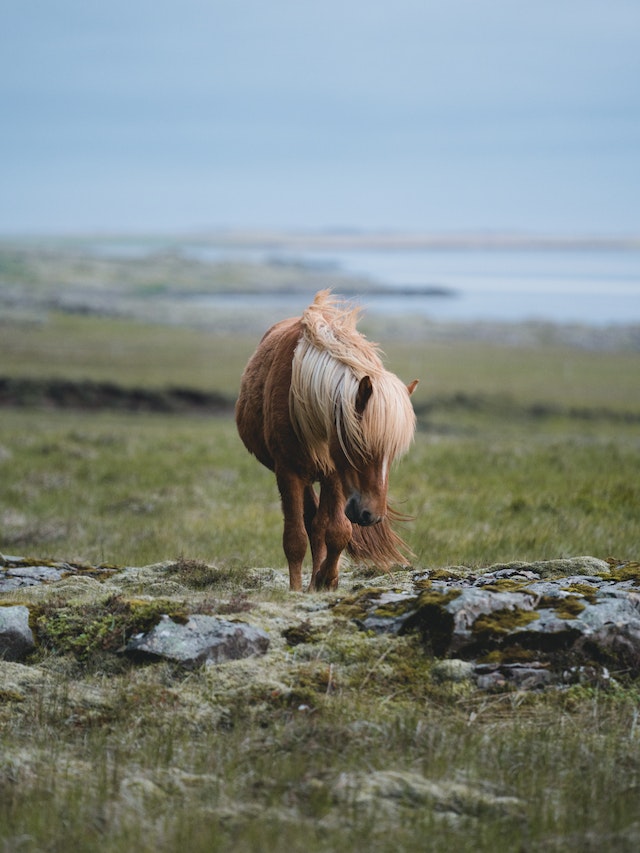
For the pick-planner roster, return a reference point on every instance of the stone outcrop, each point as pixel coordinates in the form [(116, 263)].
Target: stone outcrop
[(203, 639), (523, 625)]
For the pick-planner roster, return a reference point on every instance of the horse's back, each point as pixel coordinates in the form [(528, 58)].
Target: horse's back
[(262, 409)]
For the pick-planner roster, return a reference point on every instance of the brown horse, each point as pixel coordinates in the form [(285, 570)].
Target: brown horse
[(316, 404)]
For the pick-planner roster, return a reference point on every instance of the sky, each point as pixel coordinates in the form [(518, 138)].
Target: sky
[(450, 116)]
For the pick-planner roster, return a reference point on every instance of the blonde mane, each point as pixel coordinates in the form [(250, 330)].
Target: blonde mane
[(329, 362)]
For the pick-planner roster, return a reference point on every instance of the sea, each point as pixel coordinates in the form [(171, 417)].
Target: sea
[(591, 285)]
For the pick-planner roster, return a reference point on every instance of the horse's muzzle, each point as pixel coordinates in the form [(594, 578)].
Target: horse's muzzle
[(358, 514)]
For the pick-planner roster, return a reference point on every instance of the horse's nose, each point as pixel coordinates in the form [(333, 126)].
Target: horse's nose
[(358, 514), (366, 518)]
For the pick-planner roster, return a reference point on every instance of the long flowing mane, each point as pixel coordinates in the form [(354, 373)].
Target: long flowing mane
[(329, 362)]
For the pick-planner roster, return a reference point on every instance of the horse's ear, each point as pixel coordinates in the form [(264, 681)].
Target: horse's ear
[(365, 390), (411, 387)]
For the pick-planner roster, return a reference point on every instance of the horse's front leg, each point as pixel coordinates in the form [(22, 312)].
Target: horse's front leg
[(332, 532), (294, 537)]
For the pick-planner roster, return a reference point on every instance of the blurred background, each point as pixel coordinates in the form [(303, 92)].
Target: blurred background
[(481, 157), (176, 175)]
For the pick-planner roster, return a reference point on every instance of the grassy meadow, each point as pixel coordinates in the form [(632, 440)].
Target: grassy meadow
[(522, 453)]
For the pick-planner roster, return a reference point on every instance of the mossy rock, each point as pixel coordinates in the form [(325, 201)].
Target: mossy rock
[(588, 592), (85, 629), (506, 585), (502, 622), (561, 568), (628, 571), (565, 606), (360, 604), (433, 621)]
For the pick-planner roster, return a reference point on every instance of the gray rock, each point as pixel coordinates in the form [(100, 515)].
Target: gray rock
[(453, 669), (19, 572), (561, 567), (555, 614), (203, 639), (16, 639), (19, 576), (475, 602), (524, 676)]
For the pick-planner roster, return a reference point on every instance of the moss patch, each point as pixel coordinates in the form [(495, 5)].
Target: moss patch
[(451, 573), (358, 605), (586, 590), (304, 632), (510, 654), (502, 622), (505, 585), (629, 571), (87, 629), (565, 607), (431, 597)]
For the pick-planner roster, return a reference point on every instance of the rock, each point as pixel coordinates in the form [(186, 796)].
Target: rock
[(523, 676), (16, 639), (453, 669), (203, 639), (19, 572), (533, 621), (19, 576), (558, 568)]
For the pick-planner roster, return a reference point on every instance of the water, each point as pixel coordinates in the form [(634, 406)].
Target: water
[(588, 286)]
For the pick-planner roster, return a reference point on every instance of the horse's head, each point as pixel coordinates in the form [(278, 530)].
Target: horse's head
[(364, 472)]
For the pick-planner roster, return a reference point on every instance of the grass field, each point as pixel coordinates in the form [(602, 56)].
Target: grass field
[(135, 489), (521, 454)]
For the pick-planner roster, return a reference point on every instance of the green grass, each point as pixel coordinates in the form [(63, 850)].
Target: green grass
[(133, 489), (134, 353), (521, 453), (97, 753), (136, 489), (122, 350)]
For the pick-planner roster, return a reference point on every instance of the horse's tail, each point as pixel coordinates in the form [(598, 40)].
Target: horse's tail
[(379, 544)]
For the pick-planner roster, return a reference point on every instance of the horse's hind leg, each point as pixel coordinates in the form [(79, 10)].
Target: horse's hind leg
[(294, 537), (310, 507), (316, 537)]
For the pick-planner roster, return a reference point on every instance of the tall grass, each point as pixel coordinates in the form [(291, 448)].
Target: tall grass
[(150, 774)]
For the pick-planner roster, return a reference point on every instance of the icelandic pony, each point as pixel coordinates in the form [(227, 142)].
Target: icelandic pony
[(316, 404)]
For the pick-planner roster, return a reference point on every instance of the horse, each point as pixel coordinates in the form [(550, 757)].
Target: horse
[(316, 404)]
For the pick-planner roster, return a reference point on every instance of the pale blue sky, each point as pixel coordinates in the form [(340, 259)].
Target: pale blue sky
[(442, 116)]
